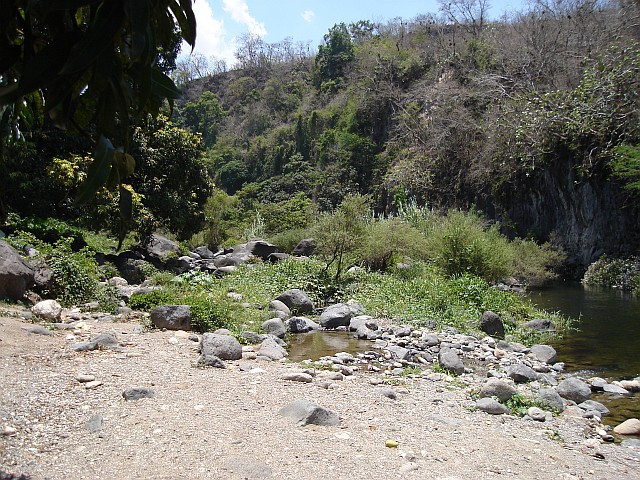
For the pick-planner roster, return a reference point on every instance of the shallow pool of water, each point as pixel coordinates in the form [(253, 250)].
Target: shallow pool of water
[(314, 345)]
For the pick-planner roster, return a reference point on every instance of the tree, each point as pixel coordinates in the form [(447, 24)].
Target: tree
[(334, 55), (92, 66), (203, 116)]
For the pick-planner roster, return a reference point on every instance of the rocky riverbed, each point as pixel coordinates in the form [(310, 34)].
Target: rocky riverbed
[(102, 398)]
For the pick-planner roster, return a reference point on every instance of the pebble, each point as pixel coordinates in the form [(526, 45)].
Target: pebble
[(85, 377), (9, 431), (297, 377), (92, 385)]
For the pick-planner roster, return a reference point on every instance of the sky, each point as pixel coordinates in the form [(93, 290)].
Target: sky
[(220, 22)]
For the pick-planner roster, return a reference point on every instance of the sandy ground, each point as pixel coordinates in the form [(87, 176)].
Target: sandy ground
[(224, 424)]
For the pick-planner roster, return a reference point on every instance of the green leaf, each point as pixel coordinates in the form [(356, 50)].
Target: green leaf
[(98, 171), (163, 86), (186, 19)]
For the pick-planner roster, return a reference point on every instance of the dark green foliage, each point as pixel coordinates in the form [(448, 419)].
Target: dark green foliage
[(149, 300), (74, 274), (203, 117), (334, 57), (622, 273)]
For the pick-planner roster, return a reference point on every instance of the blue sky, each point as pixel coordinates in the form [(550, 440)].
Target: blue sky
[(220, 22)]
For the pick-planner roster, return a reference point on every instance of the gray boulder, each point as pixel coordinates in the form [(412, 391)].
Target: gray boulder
[(296, 300), (257, 248), (338, 315), (522, 374), (573, 388), (491, 324), (16, 275), (161, 247), (137, 393), (450, 360), (301, 325), (544, 353), (211, 361), (270, 349), (540, 325), (551, 398), (365, 333), (362, 321), (204, 252), (48, 310), (305, 247), (225, 347), (491, 406), (304, 412), (494, 387), (172, 317), (592, 405), (615, 389), (275, 326), (279, 306)]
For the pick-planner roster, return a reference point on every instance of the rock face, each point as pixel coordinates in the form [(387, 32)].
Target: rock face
[(172, 317), (296, 300), (225, 347), (491, 324), (48, 310), (304, 412), (16, 275), (574, 389), (338, 315)]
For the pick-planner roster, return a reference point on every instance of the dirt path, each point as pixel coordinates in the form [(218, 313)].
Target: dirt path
[(223, 424)]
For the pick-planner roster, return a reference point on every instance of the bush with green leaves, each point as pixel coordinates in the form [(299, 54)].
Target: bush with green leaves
[(74, 274), (623, 273)]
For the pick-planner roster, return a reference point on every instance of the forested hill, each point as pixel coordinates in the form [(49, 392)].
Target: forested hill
[(533, 119)]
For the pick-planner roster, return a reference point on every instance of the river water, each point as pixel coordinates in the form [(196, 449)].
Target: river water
[(607, 342)]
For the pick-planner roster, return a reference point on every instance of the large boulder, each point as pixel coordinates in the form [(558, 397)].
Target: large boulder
[(275, 326), (271, 349), (304, 412), (296, 300), (225, 347), (573, 388), (491, 406), (491, 324), (451, 361), (162, 248), (16, 275), (544, 353), (48, 310), (257, 248), (522, 374), (305, 247), (338, 315), (550, 397), (301, 325), (494, 387), (172, 317)]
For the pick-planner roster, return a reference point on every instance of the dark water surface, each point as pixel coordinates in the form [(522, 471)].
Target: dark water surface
[(607, 343)]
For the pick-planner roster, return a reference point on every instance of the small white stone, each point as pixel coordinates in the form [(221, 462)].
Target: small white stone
[(8, 431), (343, 436), (85, 377), (92, 385), (172, 341)]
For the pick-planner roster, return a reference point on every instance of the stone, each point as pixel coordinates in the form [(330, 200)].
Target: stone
[(550, 397), (522, 374), (161, 247), (491, 406), (172, 317), (85, 378), (275, 326), (296, 300), (537, 414), (94, 424), (491, 324), (589, 405), (389, 393), (356, 307), (304, 412), (225, 347), (630, 385), (540, 325), (338, 315), (544, 353), (301, 325), (137, 393), (399, 352), (277, 257), (48, 310), (204, 252), (430, 339), (451, 361), (248, 467), (628, 427), (305, 247), (297, 377), (365, 333), (362, 321), (573, 388), (16, 275), (279, 306), (37, 330), (271, 349), (494, 387), (615, 389), (258, 248), (211, 361), (597, 383)]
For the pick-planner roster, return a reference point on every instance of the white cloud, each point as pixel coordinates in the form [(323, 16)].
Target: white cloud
[(210, 37), (239, 11), (308, 15)]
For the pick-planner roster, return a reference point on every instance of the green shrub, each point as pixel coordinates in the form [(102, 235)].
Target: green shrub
[(386, 238), (519, 404), (147, 301), (623, 273), (208, 312), (108, 298), (74, 274)]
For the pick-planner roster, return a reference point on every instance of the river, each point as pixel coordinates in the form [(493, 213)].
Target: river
[(607, 342)]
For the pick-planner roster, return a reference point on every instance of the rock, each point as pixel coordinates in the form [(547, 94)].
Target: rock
[(338, 315), (85, 378), (522, 374), (94, 424), (494, 387), (277, 257), (37, 330), (491, 324), (258, 248), (491, 406), (137, 393), (161, 247), (540, 325), (271, 349), (305, 247), (544, 353), (16, 275), (304, 412), (92, 385), (279, 306), (225, 347), (296, 300), (537, 414), (172, 317), (451, 361), (275, 327), (356, 307), (400, 353), (630, 385), (297, 377), (597, 383), (362, 321), (211, 361), (389, 393), (253, 337), (628, 427), (248, 468), (573, 388), (551, 398), (588, 405), (365, 333), (48, 310), (103, 340), (430, 339), (301, 325), (615, 389), (204, 253)]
